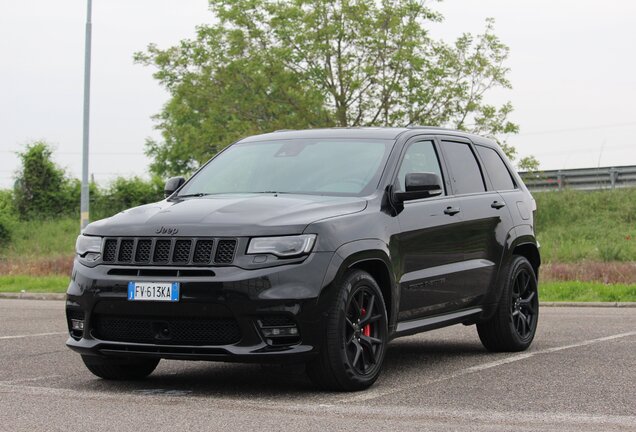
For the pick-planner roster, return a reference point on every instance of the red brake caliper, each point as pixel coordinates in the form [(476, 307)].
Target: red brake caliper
[(366, 330)]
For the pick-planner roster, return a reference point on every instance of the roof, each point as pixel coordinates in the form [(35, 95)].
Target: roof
[(389, 133)]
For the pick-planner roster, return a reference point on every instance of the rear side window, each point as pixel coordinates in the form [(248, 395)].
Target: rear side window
[(465, 173), (496, 169)]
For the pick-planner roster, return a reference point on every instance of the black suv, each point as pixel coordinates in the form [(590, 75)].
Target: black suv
[(315, 247)]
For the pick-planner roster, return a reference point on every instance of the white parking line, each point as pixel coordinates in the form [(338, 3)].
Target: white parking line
[(377, 393), (25, 380), (221, 406), (31, 335)]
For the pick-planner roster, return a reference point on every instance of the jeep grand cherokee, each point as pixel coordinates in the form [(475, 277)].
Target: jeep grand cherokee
[(315, 247)]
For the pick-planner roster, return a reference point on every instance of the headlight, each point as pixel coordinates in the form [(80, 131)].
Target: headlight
[(86, 244), (282, 246)]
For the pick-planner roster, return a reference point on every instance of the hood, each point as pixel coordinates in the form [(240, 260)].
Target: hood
[(227, 215)]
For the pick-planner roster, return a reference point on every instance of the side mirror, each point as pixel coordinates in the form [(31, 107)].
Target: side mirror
[(172, 185), (418, 186)]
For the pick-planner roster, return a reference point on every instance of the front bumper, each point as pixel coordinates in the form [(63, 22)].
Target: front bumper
[(297, 293)]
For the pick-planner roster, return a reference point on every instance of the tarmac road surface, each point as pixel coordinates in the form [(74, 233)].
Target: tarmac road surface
[(579, 375)]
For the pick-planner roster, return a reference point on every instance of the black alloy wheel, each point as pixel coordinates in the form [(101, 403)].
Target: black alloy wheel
[(524, 304), (514, 323), (352, 351), (363, 334)]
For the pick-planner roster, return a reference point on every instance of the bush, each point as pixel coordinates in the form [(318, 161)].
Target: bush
[(125, 193), (42, 189), (5, 229), (6, 203), (7, 213)]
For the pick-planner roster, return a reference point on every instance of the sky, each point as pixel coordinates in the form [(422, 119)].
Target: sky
[(573, 72)]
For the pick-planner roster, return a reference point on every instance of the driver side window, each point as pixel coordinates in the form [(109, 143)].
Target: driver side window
[(420, 157)]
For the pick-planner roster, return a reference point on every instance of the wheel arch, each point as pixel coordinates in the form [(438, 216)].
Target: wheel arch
[(521, 241), (524, 243), (373, 257), (530, 251)]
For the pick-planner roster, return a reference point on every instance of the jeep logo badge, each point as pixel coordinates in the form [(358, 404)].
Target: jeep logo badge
[(164, 230)]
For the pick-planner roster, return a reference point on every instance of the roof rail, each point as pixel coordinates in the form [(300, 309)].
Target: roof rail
[(427, 127)]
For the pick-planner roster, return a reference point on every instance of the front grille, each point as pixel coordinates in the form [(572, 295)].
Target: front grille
[(165, 251), (203, 251), (181, 254), (143, 251), (126, 250), (173, 331), (162, 251), (110, 250), (225, 252)]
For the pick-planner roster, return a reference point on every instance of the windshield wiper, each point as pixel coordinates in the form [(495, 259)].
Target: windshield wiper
[(200, 194)]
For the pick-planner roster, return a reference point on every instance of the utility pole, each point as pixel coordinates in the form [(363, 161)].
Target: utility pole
[(84, 215)]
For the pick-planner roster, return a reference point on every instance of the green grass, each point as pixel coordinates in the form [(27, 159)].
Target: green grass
[(36, 284), (595, 225), (41, 239), (575, 291)]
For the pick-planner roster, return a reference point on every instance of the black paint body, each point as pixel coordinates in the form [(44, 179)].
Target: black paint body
[(434, 268)]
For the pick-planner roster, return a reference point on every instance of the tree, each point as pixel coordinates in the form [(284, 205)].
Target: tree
[(269, 64), (42, 189)]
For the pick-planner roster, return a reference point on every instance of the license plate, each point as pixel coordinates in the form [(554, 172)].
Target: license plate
[(153, 291)]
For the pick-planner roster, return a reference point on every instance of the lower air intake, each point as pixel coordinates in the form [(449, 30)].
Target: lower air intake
[(217, 331)]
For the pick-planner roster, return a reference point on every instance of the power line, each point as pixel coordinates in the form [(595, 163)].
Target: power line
[(581, 128), (580, 151)]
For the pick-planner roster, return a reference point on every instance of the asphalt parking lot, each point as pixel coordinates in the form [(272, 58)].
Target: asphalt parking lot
[(579, 375)]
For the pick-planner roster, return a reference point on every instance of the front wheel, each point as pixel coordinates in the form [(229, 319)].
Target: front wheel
[(120, 369), (513, 326), (353, 347)]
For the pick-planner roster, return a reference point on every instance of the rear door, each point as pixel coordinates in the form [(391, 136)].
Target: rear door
[(486, 221), (429, 243), (502, 181)]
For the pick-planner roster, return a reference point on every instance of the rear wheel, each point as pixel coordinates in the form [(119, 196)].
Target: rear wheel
[(353, 347), (120, 369), (514, 324)]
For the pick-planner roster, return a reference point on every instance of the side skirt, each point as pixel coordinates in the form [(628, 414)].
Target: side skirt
[(405, 328)]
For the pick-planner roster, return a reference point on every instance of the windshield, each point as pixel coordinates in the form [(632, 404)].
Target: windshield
[(348, 167)]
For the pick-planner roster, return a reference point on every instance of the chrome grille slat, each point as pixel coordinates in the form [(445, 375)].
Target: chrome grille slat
[(162, 251)]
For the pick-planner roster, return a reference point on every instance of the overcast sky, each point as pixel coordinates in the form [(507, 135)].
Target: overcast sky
[(573, 70)]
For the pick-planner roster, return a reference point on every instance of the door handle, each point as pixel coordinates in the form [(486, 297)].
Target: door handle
[(451, 210), (497, 205)]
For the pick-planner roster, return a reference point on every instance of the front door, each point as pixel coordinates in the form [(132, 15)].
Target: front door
[(429, 243)]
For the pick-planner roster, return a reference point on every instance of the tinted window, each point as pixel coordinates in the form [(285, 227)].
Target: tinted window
[(496, 169), (302, 166), (465, 172), (420, 157)]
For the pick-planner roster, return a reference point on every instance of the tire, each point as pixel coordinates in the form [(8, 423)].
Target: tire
[(354, 344), (120, 369), (514, 324)]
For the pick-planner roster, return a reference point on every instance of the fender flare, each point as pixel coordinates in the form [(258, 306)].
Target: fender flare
[(355, 253), (518, 236)]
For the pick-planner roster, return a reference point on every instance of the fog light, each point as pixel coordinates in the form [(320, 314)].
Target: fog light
[(77, 324), (280, 331)]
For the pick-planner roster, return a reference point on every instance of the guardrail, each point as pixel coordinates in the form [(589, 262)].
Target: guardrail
[(582, 179)]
